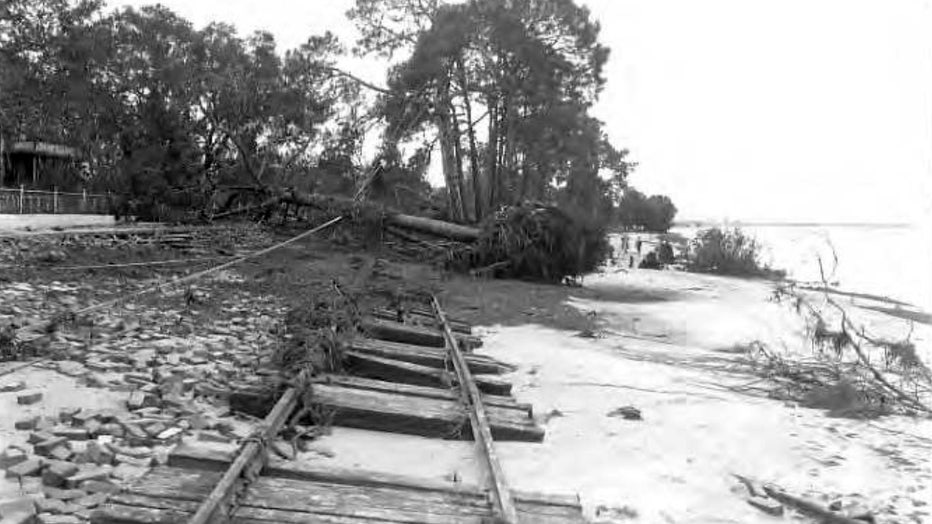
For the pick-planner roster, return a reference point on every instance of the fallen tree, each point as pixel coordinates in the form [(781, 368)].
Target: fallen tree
[(349, 206), (529, 241)]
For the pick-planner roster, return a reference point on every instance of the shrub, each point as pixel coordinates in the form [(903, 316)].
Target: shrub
[(727, 252)]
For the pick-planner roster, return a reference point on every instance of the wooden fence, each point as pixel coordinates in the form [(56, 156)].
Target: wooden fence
[(28, 201)]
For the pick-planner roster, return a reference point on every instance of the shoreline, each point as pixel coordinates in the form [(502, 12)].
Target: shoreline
[(662, 342)]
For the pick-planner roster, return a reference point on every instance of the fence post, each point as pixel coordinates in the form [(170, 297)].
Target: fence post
[(55, 200), (22, 195)]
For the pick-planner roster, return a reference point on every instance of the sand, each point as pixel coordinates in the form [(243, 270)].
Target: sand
[(661, 352)]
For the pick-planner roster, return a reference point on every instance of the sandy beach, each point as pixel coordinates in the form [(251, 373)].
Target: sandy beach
[(663, 348), (662, 342)]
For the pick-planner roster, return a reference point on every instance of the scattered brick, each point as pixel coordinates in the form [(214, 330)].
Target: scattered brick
[(10, 387), (12, 456), (92, 500), (22, 508), (57, 473), (66, 415), (27, 468), (61, 452), (84, 475), (99, 486), (29, 398), (126, 472), (46, 446), (62, 494), (39, 436), (28, 423)]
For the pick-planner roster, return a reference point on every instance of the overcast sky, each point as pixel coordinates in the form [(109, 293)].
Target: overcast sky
[(784, 110)]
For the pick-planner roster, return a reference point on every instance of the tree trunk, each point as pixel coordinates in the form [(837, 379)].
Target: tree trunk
[(480, 202), (345, 204), (491, 153), (452, 176)]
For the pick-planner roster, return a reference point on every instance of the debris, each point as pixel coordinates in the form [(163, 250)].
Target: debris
[(29, 398), (45, 447), (18, 511), (766, 504), (57, 472), (12, 456), (10, 387), (554, 413), (626, 412), (30, 467), (26, 423)]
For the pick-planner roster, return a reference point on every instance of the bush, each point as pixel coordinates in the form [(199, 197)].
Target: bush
[(727, 252)]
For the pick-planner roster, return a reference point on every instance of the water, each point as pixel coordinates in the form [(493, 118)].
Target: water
[(892, 261)]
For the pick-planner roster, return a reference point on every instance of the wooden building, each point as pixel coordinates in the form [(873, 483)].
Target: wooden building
[(40, 165)]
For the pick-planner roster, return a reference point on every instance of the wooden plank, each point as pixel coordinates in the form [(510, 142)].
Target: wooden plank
[(418, 391), (371, 366), (426, 356), (412, 334), (132, 509), (315, 498), (248, 462), (377, 410), (199, 456), (422, 317), (505, 509)]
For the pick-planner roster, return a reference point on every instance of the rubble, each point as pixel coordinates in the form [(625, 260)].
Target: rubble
[(172, 366)]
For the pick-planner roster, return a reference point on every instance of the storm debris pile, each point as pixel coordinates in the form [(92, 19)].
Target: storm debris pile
[(533, 242)]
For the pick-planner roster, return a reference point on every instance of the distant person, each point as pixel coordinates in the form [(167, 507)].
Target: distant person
[(665, 253), (650, 261), (639, 243)]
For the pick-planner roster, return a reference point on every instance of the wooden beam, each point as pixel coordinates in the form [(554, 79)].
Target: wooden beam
[(393, 370), (412, 334), (203, 457), (504, 503), (284, 500), (426, 356), (429, 417), (248, 462), (420, 317), (419, 391)]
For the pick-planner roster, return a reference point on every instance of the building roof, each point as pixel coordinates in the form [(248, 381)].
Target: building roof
[(43, 149)]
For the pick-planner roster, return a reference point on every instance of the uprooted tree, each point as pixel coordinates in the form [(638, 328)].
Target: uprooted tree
[(183, 119), (849, 369)]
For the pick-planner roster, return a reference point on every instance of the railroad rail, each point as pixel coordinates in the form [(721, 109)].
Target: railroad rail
[(392, 385)]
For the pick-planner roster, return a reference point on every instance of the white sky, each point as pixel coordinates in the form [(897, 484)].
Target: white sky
[(784, 110)]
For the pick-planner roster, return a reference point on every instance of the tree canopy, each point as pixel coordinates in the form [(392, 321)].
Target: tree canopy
[(501, 90), (505, 89), (638, 211)]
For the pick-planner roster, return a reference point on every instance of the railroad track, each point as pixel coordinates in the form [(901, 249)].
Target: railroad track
[(413, 373)]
